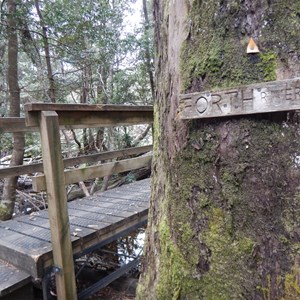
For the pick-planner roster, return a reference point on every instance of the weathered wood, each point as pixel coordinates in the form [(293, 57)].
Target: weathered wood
[(30, 107), (18, 125), (68, 162), (20, 170), (23, 251), (25, 240), (120, 208), (91, 115), (11, 278), (79, 116), (15, 125), (249, 99), (93, 158), (57, 201), (80, 174)]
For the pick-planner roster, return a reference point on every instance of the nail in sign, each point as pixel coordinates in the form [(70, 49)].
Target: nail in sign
[(244, 100)]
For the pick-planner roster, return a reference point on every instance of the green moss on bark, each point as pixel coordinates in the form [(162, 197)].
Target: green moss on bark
[(226, 226), (214, 54), (268, 65), (228, 262), (233, 203), (292, 289), (6, 211), (175, 278)]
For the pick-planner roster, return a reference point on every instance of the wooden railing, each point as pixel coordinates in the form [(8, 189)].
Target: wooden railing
[(48, 119), (69, 162)]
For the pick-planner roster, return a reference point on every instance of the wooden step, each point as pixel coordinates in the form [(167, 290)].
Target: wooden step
[(12, 280)]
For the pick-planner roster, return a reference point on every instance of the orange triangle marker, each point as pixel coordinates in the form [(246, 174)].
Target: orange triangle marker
[(252, 47)]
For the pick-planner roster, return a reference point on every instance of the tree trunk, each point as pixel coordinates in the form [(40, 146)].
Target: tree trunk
[(225, 206), (147, 49), (51, 90), (9, 190)]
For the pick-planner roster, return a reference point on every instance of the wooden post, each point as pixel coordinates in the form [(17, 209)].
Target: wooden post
[(57, 202)]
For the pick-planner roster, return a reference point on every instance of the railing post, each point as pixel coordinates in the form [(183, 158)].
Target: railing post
[(57, 206)]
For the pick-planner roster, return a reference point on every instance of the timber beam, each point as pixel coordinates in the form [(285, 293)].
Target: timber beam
[(100, 115), (68, 162), (15, 125), (81, 174)]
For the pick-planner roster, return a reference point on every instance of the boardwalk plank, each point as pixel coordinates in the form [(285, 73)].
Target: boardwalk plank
[(23, 251), (117, 211), (25, 241), (11, 278), (44, 223), (27, 230), (109, 201), (93, 217), (140, 196), (35, 219), (130, 206)]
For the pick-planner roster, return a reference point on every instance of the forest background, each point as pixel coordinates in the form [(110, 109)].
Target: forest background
[(97, 51)]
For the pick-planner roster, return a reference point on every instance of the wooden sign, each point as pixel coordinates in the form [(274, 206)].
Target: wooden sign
[(249, 99)]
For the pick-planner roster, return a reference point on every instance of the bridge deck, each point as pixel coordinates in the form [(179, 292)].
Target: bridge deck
[(11, 279), (25, 241)]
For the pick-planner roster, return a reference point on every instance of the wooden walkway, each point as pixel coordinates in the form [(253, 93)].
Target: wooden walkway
[(94, 221), (12, 280), (25, 241)]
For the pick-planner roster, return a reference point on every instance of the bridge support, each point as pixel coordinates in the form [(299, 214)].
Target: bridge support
[(57, 206)]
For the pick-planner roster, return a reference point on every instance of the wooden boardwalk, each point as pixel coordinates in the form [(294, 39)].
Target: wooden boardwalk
[(94, 221), (12, 280), (25, 242)]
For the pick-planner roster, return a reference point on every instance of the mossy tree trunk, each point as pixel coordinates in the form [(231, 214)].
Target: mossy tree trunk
[(7, 201), (224, 218)]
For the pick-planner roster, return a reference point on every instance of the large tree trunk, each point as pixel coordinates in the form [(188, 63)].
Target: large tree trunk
[(225, 208), (9, 190)]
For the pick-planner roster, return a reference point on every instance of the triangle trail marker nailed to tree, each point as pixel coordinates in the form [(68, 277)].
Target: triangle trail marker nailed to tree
[(252, 47), (244, 100)]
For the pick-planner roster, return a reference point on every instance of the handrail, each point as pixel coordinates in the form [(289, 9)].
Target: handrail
[(101, 115), (12, 125), (105, 169), (68, 162), (49, 118), (74, 116), (15, 125), (71, 115)]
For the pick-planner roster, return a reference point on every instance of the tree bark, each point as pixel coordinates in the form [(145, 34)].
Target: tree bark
[(224, 212), (51, 90), (10, 184), (147, 49)]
